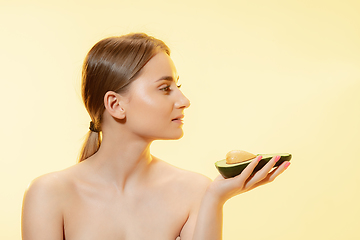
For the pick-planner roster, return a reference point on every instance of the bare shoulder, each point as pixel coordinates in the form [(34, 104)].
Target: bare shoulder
[(42, 212), (50, 190), (49, 184), (46, 190), (195, 179), (184, 179), (45, 181)]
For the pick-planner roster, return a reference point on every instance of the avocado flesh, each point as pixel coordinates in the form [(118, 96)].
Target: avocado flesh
[(234, 169)]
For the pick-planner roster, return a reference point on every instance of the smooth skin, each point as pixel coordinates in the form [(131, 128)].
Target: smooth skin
[(122, 192)]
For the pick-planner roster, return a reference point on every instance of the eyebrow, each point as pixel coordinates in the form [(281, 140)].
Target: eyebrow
[(168, 78)]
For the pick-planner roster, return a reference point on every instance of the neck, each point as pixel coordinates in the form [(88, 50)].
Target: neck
[(121, 160)]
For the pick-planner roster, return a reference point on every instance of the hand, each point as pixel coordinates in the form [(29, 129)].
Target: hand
[(224, 189)]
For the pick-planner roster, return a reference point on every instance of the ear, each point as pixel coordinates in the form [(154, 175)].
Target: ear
[(114, 104)]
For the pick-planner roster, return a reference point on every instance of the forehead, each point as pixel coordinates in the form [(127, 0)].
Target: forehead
[(159, 66)]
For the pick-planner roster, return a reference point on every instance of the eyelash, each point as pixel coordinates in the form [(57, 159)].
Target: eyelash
[(168, 88)]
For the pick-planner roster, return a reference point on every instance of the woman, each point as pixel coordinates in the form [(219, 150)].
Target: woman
[(119, 190)]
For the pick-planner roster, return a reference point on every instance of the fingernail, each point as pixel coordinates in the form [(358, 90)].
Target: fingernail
[(287, 164), (259, 158), (277, 158)]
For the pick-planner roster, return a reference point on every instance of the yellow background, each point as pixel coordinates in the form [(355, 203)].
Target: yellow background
[(263, 76)]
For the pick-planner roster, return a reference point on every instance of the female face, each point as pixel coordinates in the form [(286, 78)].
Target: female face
[(155, 106)]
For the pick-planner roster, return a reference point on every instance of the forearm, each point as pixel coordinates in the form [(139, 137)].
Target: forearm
[(210, 215), (210, 219)]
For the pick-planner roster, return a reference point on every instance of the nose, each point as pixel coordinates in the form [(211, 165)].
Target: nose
[(182, 102)]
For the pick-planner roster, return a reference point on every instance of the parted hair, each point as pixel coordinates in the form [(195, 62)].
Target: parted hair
[(111, 65)]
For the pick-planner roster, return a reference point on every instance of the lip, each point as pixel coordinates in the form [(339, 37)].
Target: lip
[(178, 119)]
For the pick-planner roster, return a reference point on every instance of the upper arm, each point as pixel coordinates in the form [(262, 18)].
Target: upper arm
[(201, 185), (41, 212)]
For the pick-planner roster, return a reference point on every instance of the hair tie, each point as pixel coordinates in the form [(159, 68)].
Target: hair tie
[(93, 128)]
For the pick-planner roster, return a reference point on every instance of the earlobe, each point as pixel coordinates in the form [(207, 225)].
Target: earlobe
[(113, 104)]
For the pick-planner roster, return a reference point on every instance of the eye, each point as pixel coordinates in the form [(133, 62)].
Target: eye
[(166, 88)]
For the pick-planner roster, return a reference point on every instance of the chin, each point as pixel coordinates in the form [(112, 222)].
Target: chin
[(181, 134), (179, 137), (174, 136)]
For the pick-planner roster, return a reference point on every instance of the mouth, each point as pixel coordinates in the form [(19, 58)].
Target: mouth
[(178, 119)]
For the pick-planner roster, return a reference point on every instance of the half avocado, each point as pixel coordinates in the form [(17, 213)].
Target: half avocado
[(234, 169)]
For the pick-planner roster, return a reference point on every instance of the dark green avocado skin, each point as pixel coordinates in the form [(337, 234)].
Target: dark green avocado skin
[(232, 170)]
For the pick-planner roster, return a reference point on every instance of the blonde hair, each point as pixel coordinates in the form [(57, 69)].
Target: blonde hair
[(111, 65)]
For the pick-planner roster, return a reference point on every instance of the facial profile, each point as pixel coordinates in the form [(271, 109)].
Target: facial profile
[(155, 105)]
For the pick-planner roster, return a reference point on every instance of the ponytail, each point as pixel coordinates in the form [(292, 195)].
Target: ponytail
[(91, 145)]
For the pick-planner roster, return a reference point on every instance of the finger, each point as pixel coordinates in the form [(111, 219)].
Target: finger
[(246, 173), (272, 175), (262, 173), (277, 171), (270, 165)]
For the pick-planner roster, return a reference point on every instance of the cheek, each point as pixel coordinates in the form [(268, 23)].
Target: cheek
[(146, 108), (147, 104)]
